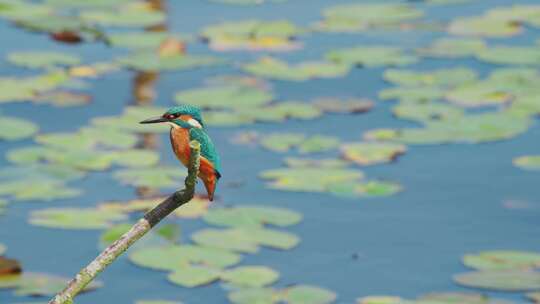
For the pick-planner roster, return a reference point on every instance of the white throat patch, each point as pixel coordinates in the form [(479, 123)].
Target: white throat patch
[(194, 123)]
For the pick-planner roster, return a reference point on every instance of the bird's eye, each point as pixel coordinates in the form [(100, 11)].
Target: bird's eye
[(170, 116)]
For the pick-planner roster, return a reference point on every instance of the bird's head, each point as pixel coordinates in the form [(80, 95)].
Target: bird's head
[(184, 116)]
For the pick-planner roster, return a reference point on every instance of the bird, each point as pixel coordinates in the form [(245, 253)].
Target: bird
[(186, 125)]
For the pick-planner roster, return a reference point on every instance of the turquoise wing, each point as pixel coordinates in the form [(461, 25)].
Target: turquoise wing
[(208, 150)]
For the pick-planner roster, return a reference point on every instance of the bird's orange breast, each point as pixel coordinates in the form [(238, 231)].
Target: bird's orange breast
[(180, 144)]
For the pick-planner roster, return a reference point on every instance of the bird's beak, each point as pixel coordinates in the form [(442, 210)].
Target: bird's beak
[(154, 120)]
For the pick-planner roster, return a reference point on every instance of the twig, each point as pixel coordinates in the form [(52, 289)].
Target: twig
[(153, 217)]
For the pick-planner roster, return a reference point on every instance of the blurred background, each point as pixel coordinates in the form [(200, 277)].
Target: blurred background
[(372, 151)]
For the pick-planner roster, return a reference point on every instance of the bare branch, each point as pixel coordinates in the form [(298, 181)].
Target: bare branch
[(153, 217)]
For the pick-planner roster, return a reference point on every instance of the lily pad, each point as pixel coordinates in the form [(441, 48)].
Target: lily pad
[(371, 56), (426, 112), (502, 260), (151, 61), (193, 276), (306, 294), (501, 280), (518, 55), (310, 179), (298, 294), (126, 16), (252, 35), (42, 59), (443, 77), (484, 26), (250, 276), (225, 97), (154, 177), (413, 94), (176, 257), (12, 128), (361, 17), (245, 239), (73, 218), (370, 153), (453, 48), (252, 216), (332, 105), (37, 284), (277, 69), (140, 40), (530, 162)]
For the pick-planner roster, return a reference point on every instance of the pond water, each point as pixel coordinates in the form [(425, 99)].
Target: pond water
[(457, 198)]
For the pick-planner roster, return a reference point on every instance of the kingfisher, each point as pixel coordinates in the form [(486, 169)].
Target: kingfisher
[(186, 125)]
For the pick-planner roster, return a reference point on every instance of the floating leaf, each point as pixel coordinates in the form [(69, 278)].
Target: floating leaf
[(276, 69), (250, 276), (245, 239), (360, 17), (37, 284), (484, 26), (453, 48), (252, 35), (140, 40), (442, 77), (157, 302), (368, 153), (126, 16), (225, 97), (150, 61), (154, 177), (503, 280), (73, 218), (501, 260), (193, 276), (522, 55), (178, 257), (42, 59), (344, 106), (426, 112), (371, 56), (12, 128), (252, 216), (63, 98), (310, 179), (530, 162), (306, 294), (254, 296), (412, 94)]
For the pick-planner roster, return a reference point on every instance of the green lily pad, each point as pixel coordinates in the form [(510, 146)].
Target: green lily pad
[(475, 128), (333, 105), (371, 188), (247, 2), (252, 216), (12, 128), (500, 280), (193, 276), (151, 61), (42, 59), (309, 179), (413, 94), (317, 163), (381, 300), (458, 297), (361, 17), (277, 69), (62, 98), (250, 276), (426, 112), (252, 35), (178, 257), (140, 40), (38, 284), (477, 94), (225, 97), (371, 56), (128, 120), (73, 218), (530, 162), (245, 239), (522, 55), (484, 26), (306, 294), (442, 77), (283, 142), (298, 294), (157, 302), (126, 16), (453, 48), (154, 177), (370, 153), (502, 260), (38, 182)]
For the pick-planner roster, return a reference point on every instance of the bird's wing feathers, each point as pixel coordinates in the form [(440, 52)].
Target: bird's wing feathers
[(208, 150)]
